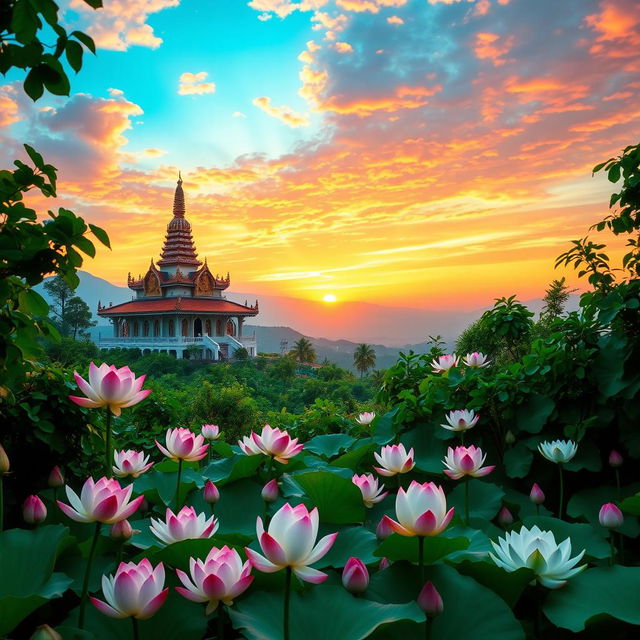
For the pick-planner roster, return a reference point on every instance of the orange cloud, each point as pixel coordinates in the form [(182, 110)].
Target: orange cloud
[(285, 114), (343, 47), (490, 46), (194, 84), (9, 110), (122, 23), (395, 20)]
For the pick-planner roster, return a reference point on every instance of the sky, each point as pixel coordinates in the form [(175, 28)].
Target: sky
[(420, 153)]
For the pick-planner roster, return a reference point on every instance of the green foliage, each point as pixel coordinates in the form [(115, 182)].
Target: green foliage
[(303, 351), (22, 27), (364, 358)]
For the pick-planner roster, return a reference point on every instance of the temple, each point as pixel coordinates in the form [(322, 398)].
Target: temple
[(179, 307)]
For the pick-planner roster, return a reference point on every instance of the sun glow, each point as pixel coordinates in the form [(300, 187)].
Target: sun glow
[(329, 297)]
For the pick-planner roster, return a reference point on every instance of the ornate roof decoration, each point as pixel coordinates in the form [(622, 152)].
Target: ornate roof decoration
[(179, 248), (179, 304)]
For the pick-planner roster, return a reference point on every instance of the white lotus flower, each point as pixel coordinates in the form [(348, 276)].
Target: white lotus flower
[(558, 451), (461, 420), (537, 550)]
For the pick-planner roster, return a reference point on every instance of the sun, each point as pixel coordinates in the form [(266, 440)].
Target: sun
[(329, 297)]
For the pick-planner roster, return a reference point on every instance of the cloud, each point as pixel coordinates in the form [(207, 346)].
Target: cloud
[(194, 84), (9, 109), (395, 20), (491, 46), (342, 47), (238, 114), (120, 24), (285, 114)]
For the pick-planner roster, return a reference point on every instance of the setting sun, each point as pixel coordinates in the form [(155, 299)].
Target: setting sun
[(329, 298)]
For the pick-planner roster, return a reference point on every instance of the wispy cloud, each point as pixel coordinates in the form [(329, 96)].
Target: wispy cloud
[(285, 114), (194, 84)]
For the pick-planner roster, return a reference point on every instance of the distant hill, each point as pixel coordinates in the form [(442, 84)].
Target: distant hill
[(388, 329)]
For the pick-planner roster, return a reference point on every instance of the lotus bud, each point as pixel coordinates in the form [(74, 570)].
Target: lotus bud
[(509, 438), (615, 459), (211, 493), (5, 465), (537, 495), (430, 601), (384, 563), (505, 517), (355, 577), (121, 530), (383, 530), (45, 632), (56, 479), (210, 431), (610, 516), (33, 510), (270, 491)]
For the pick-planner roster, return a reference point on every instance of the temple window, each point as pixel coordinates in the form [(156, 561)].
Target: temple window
[(172, 328), (145, 329), (135, 329), (156, 328), (185, 327)]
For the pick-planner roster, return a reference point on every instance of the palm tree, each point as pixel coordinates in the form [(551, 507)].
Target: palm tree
[(364, 358), (303, 351)]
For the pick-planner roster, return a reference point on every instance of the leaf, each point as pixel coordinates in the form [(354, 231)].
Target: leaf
[(351, 459), (485, 499), (614, 173), (27, 581), (351, 541), (470, 609), (631, 505), (33, 85), (36, 158), (318, 613), (339, 501), (74, 53), (532, 415), (86, 40), (612, 591), (509, 585), (33, 303), (397, 547), (329, 445), (101, 234), (228, 470), (517, 461)]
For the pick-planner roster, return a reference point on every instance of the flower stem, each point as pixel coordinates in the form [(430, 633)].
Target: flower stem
[(561, 491), (466, 500), (620, 549), (221, 622), (287, 595), (178, 484), (269, 468), (1, 502), (421, 558), (618, 483), (87, 575), (107, 445), (612, 559), (136, 629)]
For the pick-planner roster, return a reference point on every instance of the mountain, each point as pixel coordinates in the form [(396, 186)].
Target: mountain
[(335, 327)]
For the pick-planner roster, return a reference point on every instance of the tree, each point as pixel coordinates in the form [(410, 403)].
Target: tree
[(364, 358), (554, 300), (77, 318), (60, 293), (303, 351)]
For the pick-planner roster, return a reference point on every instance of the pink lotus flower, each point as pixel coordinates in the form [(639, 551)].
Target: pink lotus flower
[(183, 444), (270, 491), (103, 501), (505, 517), (384, 564), (615, 459), (130, 463), (466, 461), (56, 479), (221, 577), (184, 525), (537, 495), (271, 442), (210, 492), (610, 516), (394, 459), (289, 542), (461, 420), (355, 577), (383, 530), (421, 510), (444, 363), (366, 418), (110, 387), (33, 510), (5, 465), (210, 431), (121, 530), (429, 600), (136, 591), (372, 493), (476, 360)]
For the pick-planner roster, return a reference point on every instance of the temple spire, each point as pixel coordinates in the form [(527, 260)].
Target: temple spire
[(178, 199)]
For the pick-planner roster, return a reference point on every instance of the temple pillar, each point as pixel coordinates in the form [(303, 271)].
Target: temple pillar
[(240, 321)]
